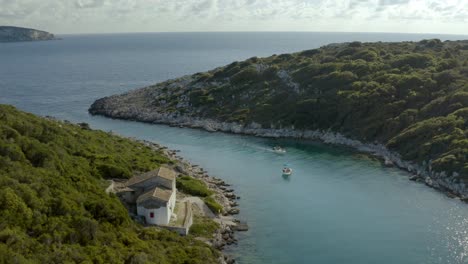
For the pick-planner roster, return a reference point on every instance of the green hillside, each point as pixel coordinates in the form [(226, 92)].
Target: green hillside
[(53, 208), (410, 96)]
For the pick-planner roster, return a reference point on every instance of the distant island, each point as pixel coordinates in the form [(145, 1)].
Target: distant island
[(17, 34), (405, 102)]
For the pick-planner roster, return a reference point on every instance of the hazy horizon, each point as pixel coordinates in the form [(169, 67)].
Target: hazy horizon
[(259, 31), (145, 16)]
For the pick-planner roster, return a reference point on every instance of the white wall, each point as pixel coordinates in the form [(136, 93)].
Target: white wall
[(162, 215), (172, 201)]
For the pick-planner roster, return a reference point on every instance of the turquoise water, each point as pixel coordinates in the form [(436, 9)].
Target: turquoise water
[(337, 207)]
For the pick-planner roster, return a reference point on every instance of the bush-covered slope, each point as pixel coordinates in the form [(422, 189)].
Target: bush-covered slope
[(53, 208), (14, 34), (410, 96)]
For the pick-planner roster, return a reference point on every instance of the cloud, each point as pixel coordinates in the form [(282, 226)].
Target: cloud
[(219, 15), (11, 9), (356, 3), (202, 7), (89, 3), (393, 2), (384, 4)]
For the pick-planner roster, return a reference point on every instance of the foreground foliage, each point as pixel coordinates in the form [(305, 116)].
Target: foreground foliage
[(53, 208)]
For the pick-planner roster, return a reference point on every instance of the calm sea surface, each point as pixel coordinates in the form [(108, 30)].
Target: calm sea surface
[(337, 207)]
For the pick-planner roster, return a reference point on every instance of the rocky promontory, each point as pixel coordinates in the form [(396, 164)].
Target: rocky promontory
[(404, 102), (17, 34)]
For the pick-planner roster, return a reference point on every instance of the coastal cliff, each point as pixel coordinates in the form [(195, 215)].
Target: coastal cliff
[(405, 102), (17, 34)]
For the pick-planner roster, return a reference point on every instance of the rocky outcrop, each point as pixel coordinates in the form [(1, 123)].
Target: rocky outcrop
[(17, 34)]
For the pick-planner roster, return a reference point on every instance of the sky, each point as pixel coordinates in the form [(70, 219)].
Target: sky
[(112, 16)]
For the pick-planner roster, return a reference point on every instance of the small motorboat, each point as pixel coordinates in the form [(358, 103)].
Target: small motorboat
[(287, 170), (279, 149)]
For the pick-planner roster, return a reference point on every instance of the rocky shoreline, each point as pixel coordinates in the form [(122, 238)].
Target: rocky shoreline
[(224, 195), (448, 184)]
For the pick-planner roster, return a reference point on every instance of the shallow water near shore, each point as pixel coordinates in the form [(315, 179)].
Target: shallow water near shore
[(339, 206)]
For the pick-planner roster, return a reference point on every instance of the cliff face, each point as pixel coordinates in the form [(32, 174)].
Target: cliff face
[(16, 34), (406, 102)]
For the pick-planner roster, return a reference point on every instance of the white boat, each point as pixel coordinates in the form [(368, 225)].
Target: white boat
[(287, 171), (279, 149)]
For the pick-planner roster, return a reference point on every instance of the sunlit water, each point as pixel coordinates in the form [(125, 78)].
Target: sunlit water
[(337, 207)]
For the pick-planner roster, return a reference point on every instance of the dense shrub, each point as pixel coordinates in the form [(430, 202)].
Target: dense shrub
[(414, 60), (193, 186), (203, 227), (53, 207), (213, 205), (400, 94), (246, 75)]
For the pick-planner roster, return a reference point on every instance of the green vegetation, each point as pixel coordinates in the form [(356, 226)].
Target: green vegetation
[(197, 187), (203, 227), (193, 186), (213, 205), (53, 208), (410, 96)]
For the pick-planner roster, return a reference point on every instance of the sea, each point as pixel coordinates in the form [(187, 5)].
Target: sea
[(339, 206)]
